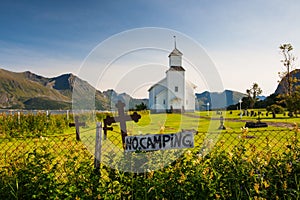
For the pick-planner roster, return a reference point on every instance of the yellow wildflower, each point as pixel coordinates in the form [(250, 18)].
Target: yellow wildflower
[(251, 172), (256, 187), (211, 175), (289, 167), (266, 184), (284, 185)]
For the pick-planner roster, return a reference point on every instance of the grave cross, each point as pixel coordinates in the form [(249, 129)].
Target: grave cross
[(105, 128), (222, 127), (122, 118), (77, 124)]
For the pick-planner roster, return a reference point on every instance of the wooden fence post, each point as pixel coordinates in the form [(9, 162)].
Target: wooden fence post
[(77, 124), (98, 147)]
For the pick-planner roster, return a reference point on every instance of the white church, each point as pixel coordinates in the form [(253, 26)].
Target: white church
[(173, 93)]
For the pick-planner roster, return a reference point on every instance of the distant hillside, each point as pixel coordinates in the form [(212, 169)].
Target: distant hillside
[(27, 90), (283, 83), (17, 88), (129, 101), (217, 100)]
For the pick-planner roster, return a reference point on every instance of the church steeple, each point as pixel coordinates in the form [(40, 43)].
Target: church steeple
[(175, 58), (174, 41)]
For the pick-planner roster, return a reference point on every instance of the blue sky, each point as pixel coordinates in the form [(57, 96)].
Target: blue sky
[(241, 37)]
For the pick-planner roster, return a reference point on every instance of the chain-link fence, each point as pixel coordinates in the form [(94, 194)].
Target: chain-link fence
[(62, 167)]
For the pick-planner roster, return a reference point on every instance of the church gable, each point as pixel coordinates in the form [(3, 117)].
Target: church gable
[(159, 85), (175, 52)]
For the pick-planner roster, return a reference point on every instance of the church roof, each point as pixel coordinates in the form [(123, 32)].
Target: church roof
[(176, 68), (175, 52), (161, 82), (192, 85)]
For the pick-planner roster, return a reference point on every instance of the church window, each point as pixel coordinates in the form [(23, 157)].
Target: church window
[(176, 88), (164, 101)]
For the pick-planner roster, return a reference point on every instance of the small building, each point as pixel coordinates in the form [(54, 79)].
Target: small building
[(173, 93)]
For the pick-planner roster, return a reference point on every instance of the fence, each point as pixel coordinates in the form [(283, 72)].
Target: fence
[(59, 166)]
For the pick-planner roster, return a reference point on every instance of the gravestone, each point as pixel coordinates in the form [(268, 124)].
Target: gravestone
[(257, 124)]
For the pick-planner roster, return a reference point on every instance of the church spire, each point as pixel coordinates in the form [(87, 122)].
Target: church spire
[(175, 58), (174, 41), (175, 52)]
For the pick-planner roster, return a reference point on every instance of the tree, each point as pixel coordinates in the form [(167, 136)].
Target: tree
[(253, 92), (291, 94), (275, 109), (140, 107), (293, 101), (288, 63)]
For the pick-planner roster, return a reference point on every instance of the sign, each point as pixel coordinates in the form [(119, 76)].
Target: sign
[(159, 141)]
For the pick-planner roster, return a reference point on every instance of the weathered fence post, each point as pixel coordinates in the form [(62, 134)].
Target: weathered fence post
[(67, 115), (19, 117), (98, 147), (77, 124)]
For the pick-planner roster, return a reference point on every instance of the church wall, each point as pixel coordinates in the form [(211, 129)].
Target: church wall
[(175, 61), (176, 80), (161, 101), (190, 98), (151, 99), (157, 95)]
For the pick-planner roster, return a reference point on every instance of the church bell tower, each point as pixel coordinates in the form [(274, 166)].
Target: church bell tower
[(175, 81)]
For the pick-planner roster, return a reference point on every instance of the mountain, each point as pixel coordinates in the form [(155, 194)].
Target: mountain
[(129, 101), (17, 88), (26, 90), (283, 83), (217, 99)]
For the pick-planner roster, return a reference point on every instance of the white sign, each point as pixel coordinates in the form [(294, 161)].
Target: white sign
[(159, 141)]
